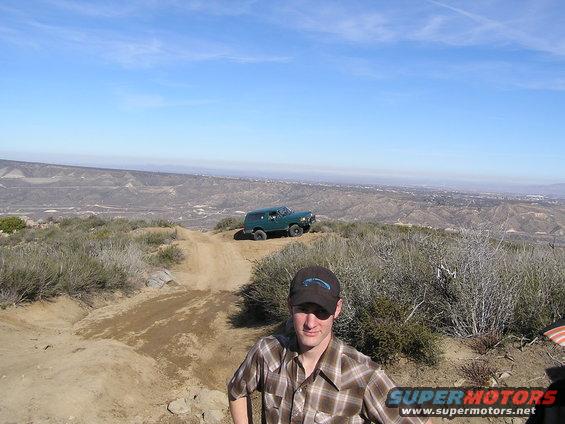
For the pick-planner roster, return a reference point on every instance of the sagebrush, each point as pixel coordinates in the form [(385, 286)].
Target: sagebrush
[(464, 284), (78, 257), (9, 224), (229, 223)]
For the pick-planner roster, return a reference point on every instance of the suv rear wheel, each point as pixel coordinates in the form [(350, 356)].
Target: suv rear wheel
[(295, 231), (259, 235)]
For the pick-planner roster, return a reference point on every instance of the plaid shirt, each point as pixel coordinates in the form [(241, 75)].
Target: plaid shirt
[(346, 386)]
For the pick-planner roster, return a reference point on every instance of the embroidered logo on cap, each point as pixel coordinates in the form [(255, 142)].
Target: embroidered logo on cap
[(316, 281)]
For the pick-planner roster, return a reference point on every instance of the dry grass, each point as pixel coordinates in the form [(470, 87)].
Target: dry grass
[(485, 342), (478, 373), (229, 223)]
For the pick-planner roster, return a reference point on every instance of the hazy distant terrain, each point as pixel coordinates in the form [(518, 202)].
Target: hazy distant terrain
[(41, 190)]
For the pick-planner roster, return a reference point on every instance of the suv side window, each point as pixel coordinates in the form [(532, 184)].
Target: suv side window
[(255, 216), (274, 214), (284, 211)]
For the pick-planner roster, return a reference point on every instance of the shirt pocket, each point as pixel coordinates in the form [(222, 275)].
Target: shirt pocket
[(275, 390), (324, 418)]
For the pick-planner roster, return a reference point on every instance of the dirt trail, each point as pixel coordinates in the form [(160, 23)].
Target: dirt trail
[(63, 362)]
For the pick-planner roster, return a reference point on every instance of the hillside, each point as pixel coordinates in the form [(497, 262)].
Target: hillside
[(41, 190)]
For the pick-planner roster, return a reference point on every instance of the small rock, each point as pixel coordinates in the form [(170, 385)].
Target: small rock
[(459, 383), (209, 405), (213, 416), (179, 407), (504, 375), (159, 279), (492, 382)]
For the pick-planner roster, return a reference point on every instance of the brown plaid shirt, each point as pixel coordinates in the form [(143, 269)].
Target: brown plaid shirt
[(345, 387)]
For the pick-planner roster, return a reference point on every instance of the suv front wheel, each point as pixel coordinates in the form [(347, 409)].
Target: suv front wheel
[(259, 235), (295, 231)]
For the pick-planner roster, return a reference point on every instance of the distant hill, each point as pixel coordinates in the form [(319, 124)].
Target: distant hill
[(40, 190)]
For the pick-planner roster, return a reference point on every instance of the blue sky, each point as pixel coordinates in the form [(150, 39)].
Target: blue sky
[(471, 90)]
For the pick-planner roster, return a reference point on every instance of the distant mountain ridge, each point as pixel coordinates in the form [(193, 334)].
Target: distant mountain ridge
[(39, 190)]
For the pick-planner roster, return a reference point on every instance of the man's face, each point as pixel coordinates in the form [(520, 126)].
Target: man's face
[(312, 323)]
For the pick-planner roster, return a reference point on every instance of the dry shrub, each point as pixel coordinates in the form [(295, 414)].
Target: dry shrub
[(229, 223), (469, 284), (362, 322), (473, 290), (485, 342), (170, 255), (77, 257), (541, 298), (478, 373), (386, 331), (157, 238)]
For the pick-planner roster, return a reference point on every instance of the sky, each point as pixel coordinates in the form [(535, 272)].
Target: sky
[(423, 89)]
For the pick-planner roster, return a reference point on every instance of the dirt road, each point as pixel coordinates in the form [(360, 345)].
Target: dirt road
[(65, 362)]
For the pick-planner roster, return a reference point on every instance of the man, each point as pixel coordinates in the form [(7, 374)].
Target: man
[(311, 376)]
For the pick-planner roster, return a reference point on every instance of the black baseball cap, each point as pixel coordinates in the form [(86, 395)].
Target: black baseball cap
[(315, 284)]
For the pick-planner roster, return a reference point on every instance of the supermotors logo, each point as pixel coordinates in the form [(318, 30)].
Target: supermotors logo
[(469, 401)]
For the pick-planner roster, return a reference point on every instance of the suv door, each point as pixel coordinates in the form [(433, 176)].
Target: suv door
[(276, 222)]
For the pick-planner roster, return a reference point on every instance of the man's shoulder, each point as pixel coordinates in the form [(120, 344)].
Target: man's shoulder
[(272, 346), (352, 358), (272, 342)]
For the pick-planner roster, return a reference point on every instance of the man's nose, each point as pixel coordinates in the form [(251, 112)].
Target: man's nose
[(311, 320)]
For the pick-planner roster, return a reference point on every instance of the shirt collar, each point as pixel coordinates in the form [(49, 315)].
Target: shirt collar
[(330, 362)]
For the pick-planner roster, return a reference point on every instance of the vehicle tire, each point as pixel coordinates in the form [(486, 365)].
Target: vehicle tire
[(259, 235), (295, 231)]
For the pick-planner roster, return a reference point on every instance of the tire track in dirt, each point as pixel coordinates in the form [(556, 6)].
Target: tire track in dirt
[(187, 331)]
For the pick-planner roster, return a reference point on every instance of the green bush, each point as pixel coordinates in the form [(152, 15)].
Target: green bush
[(9, 224), (163, 223), (229, 223), (170, 255), (386, 331), (157, 238)]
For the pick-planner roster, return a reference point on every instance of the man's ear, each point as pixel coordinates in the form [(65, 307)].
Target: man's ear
[(338, 308)]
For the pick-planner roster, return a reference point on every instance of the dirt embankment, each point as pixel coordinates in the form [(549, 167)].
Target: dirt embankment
[(62, 361)]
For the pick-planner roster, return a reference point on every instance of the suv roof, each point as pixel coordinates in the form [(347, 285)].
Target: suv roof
[(274, 208)]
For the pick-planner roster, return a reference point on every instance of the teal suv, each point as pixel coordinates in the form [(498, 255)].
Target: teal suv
[(260, 222)]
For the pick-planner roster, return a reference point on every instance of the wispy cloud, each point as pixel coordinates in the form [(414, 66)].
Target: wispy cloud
[(502, 74), (131, 50), (526, 28), (534, 26), (100, 9), (129, 47), (136, 101), (113, 9)]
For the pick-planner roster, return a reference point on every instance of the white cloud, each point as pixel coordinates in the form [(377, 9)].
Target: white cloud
[(520, 24), (132, 101)]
